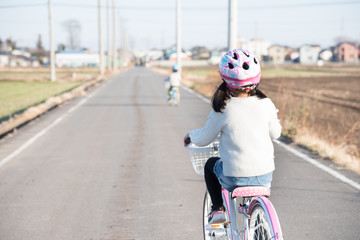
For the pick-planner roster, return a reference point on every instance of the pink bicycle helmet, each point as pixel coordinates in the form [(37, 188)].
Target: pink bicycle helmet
[(239, 68)]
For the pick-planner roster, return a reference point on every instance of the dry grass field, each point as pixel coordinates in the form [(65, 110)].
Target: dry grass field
[(320, 112), (319, 107)]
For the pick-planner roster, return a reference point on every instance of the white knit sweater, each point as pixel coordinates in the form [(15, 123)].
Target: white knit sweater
[(247, 127)]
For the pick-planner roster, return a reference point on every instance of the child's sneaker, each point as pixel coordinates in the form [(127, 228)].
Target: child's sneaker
[(217, 216)]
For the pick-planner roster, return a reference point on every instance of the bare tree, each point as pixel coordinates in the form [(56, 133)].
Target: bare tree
[(11, 45), (342, 38), (61, 47), (39, 45), (73, 28)]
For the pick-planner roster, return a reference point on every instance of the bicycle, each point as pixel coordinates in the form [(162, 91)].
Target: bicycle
[(259, 218), (174, 96)]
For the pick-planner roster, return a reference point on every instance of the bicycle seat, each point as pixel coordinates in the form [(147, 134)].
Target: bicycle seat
[(250, 191)]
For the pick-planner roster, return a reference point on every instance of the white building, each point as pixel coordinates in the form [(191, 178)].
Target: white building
[(257, 46), (76, 59), (309, 54), (4, 59), (326, 55)]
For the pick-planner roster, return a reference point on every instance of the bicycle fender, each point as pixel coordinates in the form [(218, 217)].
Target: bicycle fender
[(271, 214)]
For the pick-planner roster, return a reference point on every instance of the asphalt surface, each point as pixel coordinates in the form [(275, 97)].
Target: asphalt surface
[(111, 165)]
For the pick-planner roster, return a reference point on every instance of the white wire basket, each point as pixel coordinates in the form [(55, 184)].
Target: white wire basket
[(199, 155)]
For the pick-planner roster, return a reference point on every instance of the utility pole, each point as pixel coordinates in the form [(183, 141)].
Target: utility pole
[(52, 50), (114, 37), (108, 35), (101, 49), (123, 44), (178, 35), (233, 16)]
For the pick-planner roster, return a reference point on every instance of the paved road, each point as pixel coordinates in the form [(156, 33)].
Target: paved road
[(110, 166)]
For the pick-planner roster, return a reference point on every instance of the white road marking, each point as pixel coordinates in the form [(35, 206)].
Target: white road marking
[(304, 157), (42, 132), (195, 93), (317, 164)]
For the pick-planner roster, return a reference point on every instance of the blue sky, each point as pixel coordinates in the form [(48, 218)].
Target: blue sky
[(151, 23)]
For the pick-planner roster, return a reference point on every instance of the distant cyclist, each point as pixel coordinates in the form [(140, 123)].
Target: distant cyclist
[(247, 122), (172, 83)]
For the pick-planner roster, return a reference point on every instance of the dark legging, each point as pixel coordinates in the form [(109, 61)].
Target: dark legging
[(212, 183)]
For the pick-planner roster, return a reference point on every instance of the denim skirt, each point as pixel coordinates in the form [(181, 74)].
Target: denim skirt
[(230, 183)]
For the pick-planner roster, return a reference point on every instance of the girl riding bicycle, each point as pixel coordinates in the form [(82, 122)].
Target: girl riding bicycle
[(172, 83), (247, 122)]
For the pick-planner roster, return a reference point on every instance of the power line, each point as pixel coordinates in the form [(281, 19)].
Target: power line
[(190, 8)]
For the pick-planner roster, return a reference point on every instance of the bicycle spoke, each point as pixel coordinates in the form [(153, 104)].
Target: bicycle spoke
[(259, 226)]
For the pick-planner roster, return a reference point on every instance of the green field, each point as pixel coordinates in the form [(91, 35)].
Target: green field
[(25, 74), (31, 74), (15, 97)]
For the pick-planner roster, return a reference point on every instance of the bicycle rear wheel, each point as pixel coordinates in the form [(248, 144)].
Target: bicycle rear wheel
[(177, 95), (263, 223)]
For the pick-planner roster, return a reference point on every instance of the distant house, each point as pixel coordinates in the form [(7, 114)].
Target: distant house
[(309, 54), (4, 58), (257, 46), (346, 52), (293, 55), (14, 58), (39, 55), (215, 56), (184, 56), (153, 55), (200, 52), (277, 54), (325, 55), (76, 59)]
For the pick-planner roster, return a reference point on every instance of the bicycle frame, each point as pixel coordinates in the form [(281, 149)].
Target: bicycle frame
[(249, 203), (173, 95), (230, 205)]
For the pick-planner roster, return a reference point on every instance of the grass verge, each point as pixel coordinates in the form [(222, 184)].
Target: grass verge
[(341, 154), (15, 97)]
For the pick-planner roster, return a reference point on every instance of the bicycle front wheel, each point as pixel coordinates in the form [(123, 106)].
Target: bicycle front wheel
[(206, 213), (263, 222)]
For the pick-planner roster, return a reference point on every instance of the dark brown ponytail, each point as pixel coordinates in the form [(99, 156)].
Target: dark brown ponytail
[(220, 97), (223, 94)]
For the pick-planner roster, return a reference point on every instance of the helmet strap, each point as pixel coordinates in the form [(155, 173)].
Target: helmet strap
[(247, 89)]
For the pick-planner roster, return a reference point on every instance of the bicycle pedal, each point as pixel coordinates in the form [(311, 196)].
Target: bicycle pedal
[(216, 225)]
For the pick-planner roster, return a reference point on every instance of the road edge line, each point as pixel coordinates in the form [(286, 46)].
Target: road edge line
[(42, 132), (319, 165), (195, 93)]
